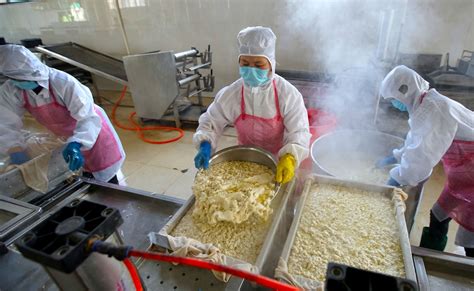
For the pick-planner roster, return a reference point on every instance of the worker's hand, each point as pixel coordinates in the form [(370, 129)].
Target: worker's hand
[(18, 158), (73, 156), (285, 169), (393, 182), (202, 158), (390, 160)]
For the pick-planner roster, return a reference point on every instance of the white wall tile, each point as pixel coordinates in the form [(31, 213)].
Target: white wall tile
[(313, 35)]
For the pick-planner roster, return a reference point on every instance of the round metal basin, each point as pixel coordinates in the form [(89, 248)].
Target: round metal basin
[(352, 154), (246, 154)]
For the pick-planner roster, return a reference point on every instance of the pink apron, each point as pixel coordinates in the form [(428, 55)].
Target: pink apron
[(57, 119), (266, 133), (457, 198)]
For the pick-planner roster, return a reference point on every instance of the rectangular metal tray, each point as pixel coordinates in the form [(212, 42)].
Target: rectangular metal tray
[(142, 212), (279, 205), (384, 190), (442, 271), (22, 213)]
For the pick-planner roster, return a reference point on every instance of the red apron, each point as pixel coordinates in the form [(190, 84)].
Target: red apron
[(266, 133), (457, 198), (57, 119)]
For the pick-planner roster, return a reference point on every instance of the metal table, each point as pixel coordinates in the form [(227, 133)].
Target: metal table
[(133, 204), (440, 268)]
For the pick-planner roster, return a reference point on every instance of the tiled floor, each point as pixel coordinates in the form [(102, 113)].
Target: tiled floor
[(169, 168)]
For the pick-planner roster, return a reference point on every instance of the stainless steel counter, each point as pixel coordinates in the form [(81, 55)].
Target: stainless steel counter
[(141, 212)]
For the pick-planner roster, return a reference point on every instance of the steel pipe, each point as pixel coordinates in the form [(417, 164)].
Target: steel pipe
[(188, 79), (181, 55)]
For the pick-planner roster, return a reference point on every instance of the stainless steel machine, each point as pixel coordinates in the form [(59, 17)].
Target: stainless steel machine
[(163, 84)]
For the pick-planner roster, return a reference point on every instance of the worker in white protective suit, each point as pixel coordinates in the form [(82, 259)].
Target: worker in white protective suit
[(440, 129), (64, 106), (266, 110)]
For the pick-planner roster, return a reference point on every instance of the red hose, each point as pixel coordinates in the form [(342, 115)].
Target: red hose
[(139, 129), (261, 280), (134, 274)]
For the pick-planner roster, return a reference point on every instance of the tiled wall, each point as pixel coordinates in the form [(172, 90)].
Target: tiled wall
[(312, 35)]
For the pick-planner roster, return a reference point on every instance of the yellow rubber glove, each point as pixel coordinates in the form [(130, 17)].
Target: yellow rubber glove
[(285, 169)]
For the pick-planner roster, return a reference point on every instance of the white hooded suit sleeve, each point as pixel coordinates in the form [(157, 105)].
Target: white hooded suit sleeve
[(213, 121), (80, 104), (10, 130), (430, 136), (397, 153), (296, 136)]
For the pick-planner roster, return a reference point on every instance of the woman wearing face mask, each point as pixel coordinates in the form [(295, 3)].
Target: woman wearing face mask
[(266, 110), (64, 106), (440, 129)]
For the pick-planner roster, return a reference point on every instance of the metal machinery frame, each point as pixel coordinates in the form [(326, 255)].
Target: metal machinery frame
[(161, 83)]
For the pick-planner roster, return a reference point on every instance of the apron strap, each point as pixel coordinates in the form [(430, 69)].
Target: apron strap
[(423, 96), (25, 99), (277, 102), (242, 101), (53, 96)]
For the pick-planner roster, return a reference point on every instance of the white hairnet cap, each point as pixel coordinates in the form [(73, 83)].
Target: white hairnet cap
[(257, 41), (403, 84), (19, 63)]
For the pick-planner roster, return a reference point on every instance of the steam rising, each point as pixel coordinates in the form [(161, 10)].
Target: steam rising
[(355, 40)]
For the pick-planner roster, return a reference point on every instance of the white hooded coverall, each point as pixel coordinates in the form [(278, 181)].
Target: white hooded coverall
[(440, 128), (17, 62)]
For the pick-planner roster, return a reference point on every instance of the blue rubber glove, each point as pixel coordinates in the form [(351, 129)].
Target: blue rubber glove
[(390, 160), (202, 158), (393, 182), (19, 158), (73, 156)]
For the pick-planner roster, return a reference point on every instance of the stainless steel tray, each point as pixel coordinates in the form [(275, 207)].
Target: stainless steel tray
[(383, 190), (141, 211), (265, 261), (442, 271), (278, 204), (14, 215)]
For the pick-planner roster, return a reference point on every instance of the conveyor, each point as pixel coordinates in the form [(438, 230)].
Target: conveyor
[(90, 60)]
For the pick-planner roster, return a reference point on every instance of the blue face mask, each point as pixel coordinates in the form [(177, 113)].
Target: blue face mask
[(254, 77), (25, 85), (399, 105)]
